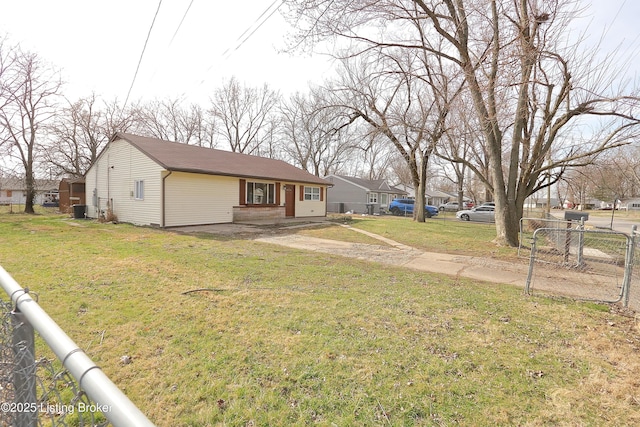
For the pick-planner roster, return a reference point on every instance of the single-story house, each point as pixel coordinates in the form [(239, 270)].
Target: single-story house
[(350, 194), (432, 197), (437, 197), (631, 204), (148, 181), (13, 191)]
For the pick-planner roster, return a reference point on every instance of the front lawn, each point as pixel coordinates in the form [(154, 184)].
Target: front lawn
[(275, 336)]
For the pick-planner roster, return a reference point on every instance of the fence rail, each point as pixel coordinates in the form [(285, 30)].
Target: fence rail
[(79, 393)]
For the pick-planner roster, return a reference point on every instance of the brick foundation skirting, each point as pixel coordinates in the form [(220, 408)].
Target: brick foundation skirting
[(249, 213)]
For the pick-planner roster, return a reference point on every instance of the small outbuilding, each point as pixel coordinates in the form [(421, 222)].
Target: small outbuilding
[(71, 192), (148, 181)]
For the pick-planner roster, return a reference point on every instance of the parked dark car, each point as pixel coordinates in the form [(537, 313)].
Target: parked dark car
[(405, 207)]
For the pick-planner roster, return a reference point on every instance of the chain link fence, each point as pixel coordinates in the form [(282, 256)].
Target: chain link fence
[(632, 298), (37, 392), (568, 259), (529, 225), (63, 387)]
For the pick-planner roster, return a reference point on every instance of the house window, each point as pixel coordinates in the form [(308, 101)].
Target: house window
[(9, 193), (373, 197), (312, 193), (384, 199), (138, 192), (260, 193)]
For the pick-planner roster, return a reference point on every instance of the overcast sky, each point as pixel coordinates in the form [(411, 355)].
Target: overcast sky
[(97, 43)]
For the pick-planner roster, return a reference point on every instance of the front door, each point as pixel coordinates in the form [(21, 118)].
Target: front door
[(290, 200)]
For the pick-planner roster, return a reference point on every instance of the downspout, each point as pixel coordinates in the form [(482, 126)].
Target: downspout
[(162, 213)]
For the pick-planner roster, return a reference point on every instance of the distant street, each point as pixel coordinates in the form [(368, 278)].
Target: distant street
[(620, 220)]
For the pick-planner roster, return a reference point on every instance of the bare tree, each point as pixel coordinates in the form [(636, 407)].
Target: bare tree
[(243, 115), (170, 120), (530, 89), (80, 131), (376, 157), (463, 145), (312, 137), (29, 94), (397, 103)]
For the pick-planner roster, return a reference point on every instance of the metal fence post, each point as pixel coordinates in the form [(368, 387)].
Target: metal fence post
[(24, 371), (567, 243), (581, 244), (628, 266), (532, 260)]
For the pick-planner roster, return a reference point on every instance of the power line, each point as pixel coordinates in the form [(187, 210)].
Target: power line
[(224, 54), (181, 21), (240, 41), (142, 55)]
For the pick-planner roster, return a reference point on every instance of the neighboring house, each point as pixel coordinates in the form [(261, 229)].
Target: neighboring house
[(453, 197), (147, 181), (632, 204), (432, 197), (13, 191), (411, 192), (535, 202), (436, 197), (349, 194)]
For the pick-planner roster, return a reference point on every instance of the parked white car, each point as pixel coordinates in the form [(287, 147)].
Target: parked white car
[(453, 206), (481, 213)]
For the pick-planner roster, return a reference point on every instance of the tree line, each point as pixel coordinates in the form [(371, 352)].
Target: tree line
[(489, 90)]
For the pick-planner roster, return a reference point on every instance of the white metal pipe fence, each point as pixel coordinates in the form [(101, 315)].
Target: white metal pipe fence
[(108, 398)]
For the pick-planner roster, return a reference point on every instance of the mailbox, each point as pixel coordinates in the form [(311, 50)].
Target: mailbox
[(575, 216)]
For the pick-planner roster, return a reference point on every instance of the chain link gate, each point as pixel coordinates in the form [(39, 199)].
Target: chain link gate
[(582, 264)]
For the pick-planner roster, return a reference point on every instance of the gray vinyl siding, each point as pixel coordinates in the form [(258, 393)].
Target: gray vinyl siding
[(352, 196)]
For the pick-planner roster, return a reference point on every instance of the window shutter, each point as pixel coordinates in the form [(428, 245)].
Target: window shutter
[(243, 192), (302, 193), (321, 194), (278, 193)]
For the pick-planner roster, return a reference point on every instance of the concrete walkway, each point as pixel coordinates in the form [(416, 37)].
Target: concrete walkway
[(461, 265), (398, 254)]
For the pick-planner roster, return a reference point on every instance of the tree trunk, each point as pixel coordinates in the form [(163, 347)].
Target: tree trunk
[(418, 207), (30, 190)]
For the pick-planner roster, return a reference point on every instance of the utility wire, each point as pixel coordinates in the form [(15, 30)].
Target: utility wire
[(224, 54), (230, 50), (184, 16), (181, 21), (142, 55)]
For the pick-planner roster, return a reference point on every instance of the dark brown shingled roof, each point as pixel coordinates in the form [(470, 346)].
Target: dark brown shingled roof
[(179, 157)]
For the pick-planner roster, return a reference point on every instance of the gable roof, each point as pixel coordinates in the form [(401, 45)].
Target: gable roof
[(371, 185), (174, 156)]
